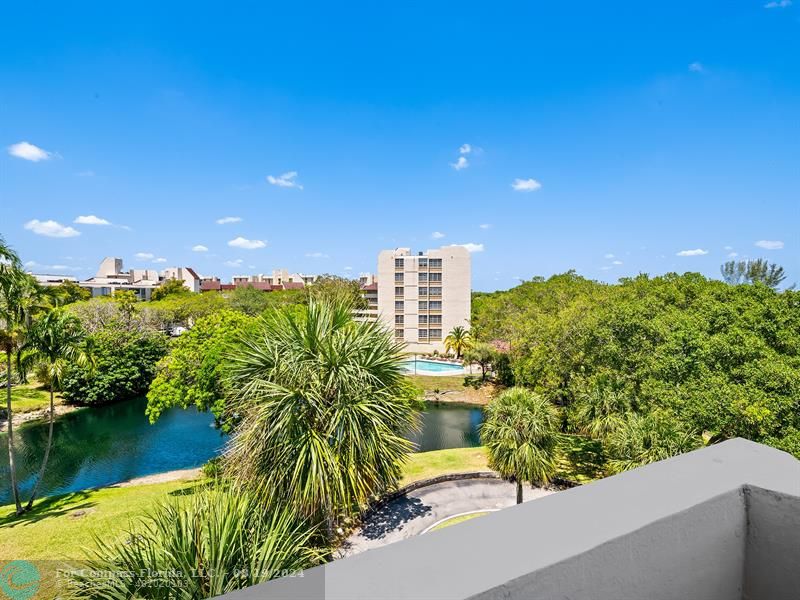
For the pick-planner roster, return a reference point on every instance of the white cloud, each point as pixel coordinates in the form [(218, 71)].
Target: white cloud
[(227, 220), (32, 264), (91, 220), (28, 151), (241, 242), (778, 4), (461, 163), (471, 247), (696, 67), (695, 252), (484, 225), (199, 248), (526, 185), (233, 263), (465, 149), (317, 255), (605, 268), (160, 260), (617, 262), (728, 248), (51, 229), (348, 268), (287, 180), (733, 254), (437, 235), (144, 255), (770, 244), (609, 255)]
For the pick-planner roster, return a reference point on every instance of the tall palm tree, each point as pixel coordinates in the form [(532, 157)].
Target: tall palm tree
[(602, 411), (10, 273), (643, 439), (324, 406), (55, 341), (521, 434), (458, 340)]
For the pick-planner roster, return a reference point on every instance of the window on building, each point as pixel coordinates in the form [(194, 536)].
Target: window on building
[(398, 333), (423, 319), (435, 319), (398, 305), (398, 291), (423, 263), (423, 277), (423, 292), (435, 305), (435, 291), (398, 263), (436, 334), (423, 334), (398, 278), (435, 276), (435, 263), (398, 319), (423, 305)]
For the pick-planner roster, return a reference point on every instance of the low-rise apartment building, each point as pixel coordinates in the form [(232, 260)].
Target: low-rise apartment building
[(422, 297)]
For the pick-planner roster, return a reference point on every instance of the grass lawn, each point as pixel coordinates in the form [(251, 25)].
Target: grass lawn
[(424, 465), (29, 397), (429, 383), (458, 519)]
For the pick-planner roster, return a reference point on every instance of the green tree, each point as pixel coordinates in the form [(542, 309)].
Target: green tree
[(196, 370), (521, 434), (458, 340), (483, 354), (752, 271), (126, 300), (325, 406), (203, 545), (56, 341), (601, 411), (643, 439), (69, 291), (171, 287), (338, 289)]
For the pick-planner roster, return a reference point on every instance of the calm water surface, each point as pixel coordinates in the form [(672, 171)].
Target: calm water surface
[(99, 446)]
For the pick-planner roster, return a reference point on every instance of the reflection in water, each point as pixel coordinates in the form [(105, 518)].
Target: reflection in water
[(99, 446)]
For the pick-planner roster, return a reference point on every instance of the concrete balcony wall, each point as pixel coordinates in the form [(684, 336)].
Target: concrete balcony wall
[(721, 523)]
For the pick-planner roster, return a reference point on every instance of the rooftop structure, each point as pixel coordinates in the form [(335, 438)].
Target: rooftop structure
[(720, 523), (279, 279), (423, 296)]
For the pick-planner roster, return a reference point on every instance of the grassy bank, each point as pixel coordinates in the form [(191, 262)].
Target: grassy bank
[(29, 397)]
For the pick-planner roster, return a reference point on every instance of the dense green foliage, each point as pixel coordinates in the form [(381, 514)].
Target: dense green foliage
[(324, 405), (171, 287), (521, 434), (721, 359), (752, 271), (198, 546), (125, 362), (253, 302), (196, 371)]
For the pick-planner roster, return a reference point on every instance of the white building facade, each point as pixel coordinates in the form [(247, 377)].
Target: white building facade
[(422, 297)]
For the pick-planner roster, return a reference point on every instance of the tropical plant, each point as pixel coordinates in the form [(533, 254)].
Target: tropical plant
[(69, 292), (171, 287), (520, 433), (458, 341), (324, 406), (55, 341), (483, 354), (203, 545), (643, 439), (601, 411)]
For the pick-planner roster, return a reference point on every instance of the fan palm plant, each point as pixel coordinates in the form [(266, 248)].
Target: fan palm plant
[(55, 341), (458, 340), (602, 411), (203, 545), (643, 439), (521, 435), (324, 407)]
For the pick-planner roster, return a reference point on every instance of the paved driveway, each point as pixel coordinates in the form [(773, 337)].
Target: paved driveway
[(412, 514)]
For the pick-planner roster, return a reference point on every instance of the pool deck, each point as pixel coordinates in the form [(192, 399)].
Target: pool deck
[(421, 371)]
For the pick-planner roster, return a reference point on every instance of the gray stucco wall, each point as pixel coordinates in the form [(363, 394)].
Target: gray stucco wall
[(672, 530)]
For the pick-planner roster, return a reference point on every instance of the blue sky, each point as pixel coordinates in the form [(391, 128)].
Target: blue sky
[(612, 139)]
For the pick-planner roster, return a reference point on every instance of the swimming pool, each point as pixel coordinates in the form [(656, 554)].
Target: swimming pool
[(432, 367)]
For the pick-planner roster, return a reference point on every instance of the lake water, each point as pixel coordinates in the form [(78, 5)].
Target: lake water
[(95, 447)]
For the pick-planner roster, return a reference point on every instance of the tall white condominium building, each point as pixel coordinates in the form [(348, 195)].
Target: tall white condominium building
[(423, 296)]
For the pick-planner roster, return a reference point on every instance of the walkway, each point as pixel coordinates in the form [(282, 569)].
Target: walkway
[(412, 514)]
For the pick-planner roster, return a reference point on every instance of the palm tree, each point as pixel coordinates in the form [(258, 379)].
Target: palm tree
[(458, 340), (325, 407), (10, 276), (206, 545), (520, 433), (643, 439), (55, 341), (602, 411)]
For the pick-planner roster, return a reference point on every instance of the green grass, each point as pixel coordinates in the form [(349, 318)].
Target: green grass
[(429, 383), (424, 465), (459, 519), (29, 397)]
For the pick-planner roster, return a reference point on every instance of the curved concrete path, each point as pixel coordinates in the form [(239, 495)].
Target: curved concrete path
[(413, 513)]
